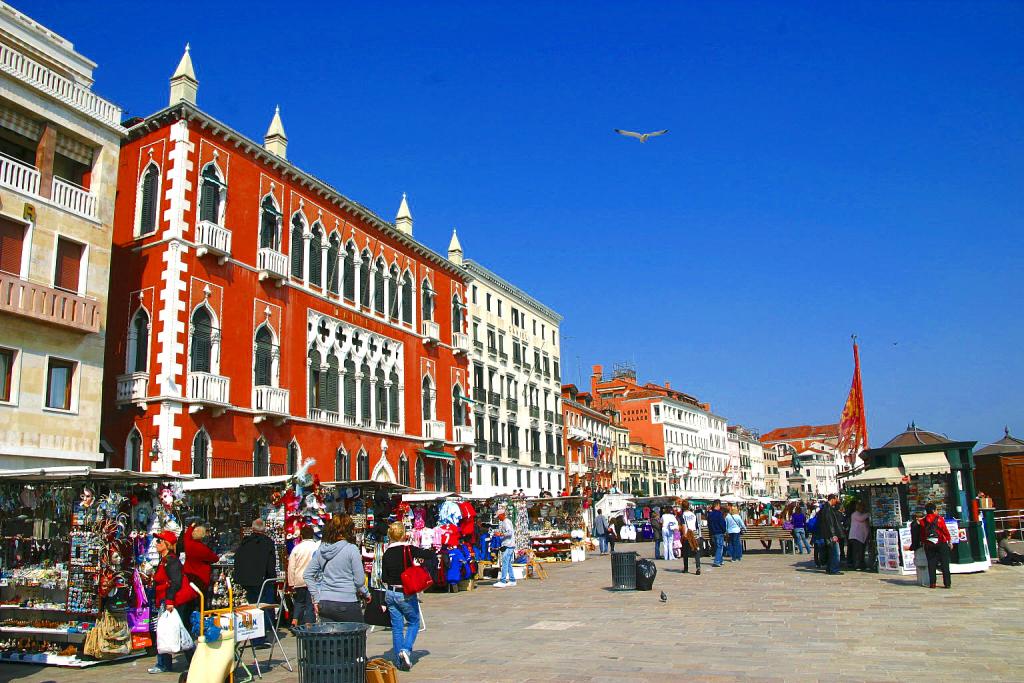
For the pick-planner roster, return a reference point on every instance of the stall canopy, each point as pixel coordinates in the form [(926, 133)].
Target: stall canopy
[(41, 474), (233, 482), (369, 483), (925, 463), (879, 476)]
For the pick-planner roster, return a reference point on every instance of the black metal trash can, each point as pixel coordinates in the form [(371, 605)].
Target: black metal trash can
[(624, 571), (332, 652)]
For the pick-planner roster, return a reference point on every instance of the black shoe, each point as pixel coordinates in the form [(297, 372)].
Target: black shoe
[(698, 572), (834, 573), (686, 571)]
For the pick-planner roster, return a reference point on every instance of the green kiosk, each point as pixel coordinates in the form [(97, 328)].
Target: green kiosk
[(918, 467)]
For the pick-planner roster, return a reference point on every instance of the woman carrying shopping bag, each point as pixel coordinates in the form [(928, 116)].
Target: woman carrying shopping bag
[(171, 592), (403, 576)]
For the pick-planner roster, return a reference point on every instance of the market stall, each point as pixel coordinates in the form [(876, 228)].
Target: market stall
[(555, 528), (897, 483), (646, 509), (76, 550)]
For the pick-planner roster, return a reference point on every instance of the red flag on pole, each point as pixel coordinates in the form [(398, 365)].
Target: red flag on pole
[(853, 430)]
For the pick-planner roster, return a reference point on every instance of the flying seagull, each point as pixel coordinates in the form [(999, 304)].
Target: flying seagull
[(642, 137), (664, 598)]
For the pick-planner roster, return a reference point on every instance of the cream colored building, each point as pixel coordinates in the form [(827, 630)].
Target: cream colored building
[(516, 378), (623, 464), (59, 146), (745, 448)]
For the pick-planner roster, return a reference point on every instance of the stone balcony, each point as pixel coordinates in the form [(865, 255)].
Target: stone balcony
[(60, 88), (433, 430), (460, 342), (133, 388), (464, 435), (208, 390), (213, 239), (270, 402), (48, 305), (576, 434), (272, 264), (431, 332), (21, 177)]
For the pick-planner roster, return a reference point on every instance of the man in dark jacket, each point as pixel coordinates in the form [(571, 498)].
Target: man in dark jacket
[(716, 528), (830, 526), (255, 562)]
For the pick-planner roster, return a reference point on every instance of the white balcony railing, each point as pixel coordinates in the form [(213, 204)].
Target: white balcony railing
[(464, 435), (433, 430), (576, 434), (204, 387), (214, 239), (74, 198), (64, 89), (271, 263), (460, 342), (48, 305), (325, 416), (133, 387), (270, 400), (18, 175), (431, 331)]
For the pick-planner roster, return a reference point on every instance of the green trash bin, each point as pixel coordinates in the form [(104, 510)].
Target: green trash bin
[(624, 571), (332, 652)]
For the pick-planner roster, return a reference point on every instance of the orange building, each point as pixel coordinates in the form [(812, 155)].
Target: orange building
[(588, 442)]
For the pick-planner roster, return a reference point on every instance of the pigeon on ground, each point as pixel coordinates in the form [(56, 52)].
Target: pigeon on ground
[(664, 598), (642, 137)]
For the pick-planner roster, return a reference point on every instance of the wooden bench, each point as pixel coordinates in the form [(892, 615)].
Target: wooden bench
[(764, 533)]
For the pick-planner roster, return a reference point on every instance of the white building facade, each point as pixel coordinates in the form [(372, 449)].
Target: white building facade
[(746, 449), (515, 374), (696, 449)]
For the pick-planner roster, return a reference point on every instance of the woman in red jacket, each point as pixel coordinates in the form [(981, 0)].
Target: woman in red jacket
[(171, 591), (937, 544), (199, 559)]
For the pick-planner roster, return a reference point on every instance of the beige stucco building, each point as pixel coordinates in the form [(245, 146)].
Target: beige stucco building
[(59, 146)]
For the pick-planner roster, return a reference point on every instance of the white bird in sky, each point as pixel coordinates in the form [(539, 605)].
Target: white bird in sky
[(642, 137)]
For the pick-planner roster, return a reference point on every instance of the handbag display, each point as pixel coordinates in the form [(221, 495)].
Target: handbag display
[(138, 615), (415, 579)]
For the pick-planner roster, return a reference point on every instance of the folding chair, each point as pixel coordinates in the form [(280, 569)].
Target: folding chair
[(277, 606)]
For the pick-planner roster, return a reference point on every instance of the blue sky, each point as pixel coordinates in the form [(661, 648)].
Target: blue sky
[(831, 168)]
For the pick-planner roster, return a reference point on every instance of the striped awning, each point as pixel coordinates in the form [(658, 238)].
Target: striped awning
[(925, 463), (879, 476), (436, 454)]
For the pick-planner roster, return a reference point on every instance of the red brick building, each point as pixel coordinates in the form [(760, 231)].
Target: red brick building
[(259, 317)]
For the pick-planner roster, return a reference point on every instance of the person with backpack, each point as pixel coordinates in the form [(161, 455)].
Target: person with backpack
[(734, 526), (937, 544), (601, 531)]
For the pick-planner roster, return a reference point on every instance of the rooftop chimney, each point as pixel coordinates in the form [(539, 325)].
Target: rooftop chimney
[(275, 141), (184, 85)]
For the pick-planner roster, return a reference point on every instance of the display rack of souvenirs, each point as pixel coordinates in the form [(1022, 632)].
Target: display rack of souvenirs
[(928, 488), (885, 510)]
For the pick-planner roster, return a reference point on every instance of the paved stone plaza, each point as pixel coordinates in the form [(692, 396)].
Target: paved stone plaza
[(769, 617)]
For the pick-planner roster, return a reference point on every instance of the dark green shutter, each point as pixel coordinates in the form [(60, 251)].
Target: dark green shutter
[(350, 389), (264, 355), (208, 202), (331, 386), (141, 328), (297, 251), (366, 397), (332, 267), (202, 341), (350, 275), (147, 223), (407, 301), (364, 281), (268, 225), (378, 289), (315, 257), (393, 397), (314, 379)]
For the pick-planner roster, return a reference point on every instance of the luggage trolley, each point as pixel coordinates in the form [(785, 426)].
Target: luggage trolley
[(215, 662)]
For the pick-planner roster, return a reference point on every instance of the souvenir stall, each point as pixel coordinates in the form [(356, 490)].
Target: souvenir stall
[(646, 509), (556, 528), (74, 558), (453, 526), (897, 484)]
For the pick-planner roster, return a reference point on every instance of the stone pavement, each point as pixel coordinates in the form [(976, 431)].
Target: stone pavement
[(767, 618)]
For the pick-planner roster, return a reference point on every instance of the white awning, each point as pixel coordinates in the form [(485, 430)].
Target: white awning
[(879, 476), (57, 474), (233, 482), (925, 463)]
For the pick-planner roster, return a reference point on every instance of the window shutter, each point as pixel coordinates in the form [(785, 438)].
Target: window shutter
[(69, 263), (407, 301), (323, 400), (331, 385), (202, 341), (378, 290), (393, 398), (315, 258), (264, 353), (332, 267), (366, 398), (147, 219), (208, 204), (297, 248), (141, 329), (364, 281), (350, 276), (350, 389), (12, 237)]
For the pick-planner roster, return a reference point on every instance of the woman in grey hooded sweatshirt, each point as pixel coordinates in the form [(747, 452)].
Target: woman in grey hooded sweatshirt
[(335, 576)]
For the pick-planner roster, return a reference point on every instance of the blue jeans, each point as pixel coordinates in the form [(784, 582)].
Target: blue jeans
[(602, 541), (657, 549), (735, 547), (506, 574), (833, 557), (719, 540), (800, 541), (405, 620), (165, 661)]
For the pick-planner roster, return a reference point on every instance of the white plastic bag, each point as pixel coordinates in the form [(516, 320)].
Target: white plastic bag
[(171, 635)]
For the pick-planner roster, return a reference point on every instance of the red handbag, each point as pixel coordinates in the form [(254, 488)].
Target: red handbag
[(415, 579)]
